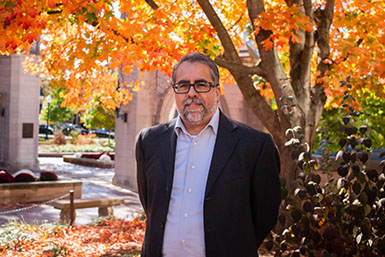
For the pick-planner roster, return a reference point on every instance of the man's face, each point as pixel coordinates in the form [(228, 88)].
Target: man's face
[(196, 109)]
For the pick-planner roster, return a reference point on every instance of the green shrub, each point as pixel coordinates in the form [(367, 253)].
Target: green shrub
[(344, 216), (374, 118)]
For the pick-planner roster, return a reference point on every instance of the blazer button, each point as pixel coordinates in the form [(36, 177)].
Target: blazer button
[(207, 198), (162, 225)]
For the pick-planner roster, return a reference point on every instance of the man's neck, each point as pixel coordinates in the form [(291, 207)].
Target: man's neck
[(193, 129)]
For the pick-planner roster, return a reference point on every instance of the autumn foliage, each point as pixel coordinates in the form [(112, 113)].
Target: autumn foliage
[(109, 237), (300, 50), (81, 39), (83, 42)]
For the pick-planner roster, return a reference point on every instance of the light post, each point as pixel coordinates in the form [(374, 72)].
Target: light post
[(49, 99)]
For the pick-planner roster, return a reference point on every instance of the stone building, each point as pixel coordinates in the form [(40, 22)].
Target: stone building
[(19, 114)]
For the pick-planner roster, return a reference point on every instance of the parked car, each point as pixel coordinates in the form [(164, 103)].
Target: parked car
[(43, 129), (67, 128), (103, 133)]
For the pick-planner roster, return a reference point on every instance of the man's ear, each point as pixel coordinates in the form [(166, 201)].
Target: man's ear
[(218, 93)]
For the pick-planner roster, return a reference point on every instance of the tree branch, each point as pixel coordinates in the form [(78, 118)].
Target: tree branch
[(239, 67), (236, 22), (272, 66), (300, 58), (152, 4), (228, 45), (323, 19), (257, 102)]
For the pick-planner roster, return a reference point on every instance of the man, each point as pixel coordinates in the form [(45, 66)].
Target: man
[(209, 185)]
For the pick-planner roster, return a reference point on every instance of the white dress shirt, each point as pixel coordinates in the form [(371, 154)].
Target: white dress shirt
[(184, 230)]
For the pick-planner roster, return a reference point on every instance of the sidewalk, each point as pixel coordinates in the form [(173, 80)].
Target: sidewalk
[(96, 183)]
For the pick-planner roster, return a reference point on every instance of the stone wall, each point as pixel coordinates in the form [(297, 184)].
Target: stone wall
[(19, 114)]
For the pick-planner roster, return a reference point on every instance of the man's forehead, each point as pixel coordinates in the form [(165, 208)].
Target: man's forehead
[(195, 81), (191, 69)]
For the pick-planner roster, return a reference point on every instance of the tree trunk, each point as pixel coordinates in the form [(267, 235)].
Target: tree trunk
[(289, 168), (299, 104)]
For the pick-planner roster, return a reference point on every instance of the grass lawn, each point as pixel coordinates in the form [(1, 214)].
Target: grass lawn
[(80, 144)]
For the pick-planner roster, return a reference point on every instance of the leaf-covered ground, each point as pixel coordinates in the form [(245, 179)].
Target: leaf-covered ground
[(106, 237)]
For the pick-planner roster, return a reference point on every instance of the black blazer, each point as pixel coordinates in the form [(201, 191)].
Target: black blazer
[(242, 194)]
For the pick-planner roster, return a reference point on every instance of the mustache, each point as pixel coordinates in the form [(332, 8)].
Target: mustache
[(193, 100)]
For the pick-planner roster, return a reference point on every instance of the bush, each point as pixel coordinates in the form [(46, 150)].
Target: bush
[(59, 138), (48, 176), (83, 139), (331, 120), (344, 216), (5, 177), (24, 176)]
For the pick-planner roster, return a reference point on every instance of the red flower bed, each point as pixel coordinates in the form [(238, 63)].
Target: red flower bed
[(48, 176), (24, 177), (5, 177), (96, 156)]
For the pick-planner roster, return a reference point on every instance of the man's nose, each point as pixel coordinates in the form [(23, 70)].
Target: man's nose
[(191, 92)]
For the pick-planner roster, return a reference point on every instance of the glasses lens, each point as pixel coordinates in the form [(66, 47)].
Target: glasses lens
[(182, 87), (202, 87)]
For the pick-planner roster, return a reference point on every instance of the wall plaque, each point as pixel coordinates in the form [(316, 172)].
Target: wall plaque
[(27, 130)]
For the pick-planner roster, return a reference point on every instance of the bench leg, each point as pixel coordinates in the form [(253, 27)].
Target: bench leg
[(65, 216), (106, 211)]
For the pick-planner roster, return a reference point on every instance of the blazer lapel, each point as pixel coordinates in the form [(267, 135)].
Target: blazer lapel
[(224, 147), (168, 145)]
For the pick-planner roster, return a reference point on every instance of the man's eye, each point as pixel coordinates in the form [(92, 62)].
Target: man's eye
[(183, 86), (201, 86)]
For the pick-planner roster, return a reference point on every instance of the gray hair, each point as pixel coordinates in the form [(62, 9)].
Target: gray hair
[(198, 57)]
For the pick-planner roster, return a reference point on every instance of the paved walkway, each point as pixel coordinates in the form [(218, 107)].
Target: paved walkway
[(96, 183)]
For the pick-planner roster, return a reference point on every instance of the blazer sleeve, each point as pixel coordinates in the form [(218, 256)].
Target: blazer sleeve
[(266, 195), (140, 172)]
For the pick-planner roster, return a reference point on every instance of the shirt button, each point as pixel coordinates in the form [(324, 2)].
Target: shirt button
[(192, 166), (189, 190), (195, 143), (183, 241), (185, 215)]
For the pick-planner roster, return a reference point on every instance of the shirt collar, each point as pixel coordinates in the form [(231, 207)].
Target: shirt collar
[(213, 123)]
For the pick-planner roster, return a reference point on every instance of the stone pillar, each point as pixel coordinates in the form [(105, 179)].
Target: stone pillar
[(19, 114), (139, 115)]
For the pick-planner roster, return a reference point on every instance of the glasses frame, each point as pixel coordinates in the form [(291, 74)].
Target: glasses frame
[(175, 85)]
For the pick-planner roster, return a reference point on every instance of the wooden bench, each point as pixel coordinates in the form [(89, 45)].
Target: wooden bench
[(104, 204)]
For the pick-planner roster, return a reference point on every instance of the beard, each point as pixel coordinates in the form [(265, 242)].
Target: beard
[(196, 116)]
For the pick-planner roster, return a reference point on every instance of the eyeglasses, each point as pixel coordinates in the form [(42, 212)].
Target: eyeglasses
[(199, 87)]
